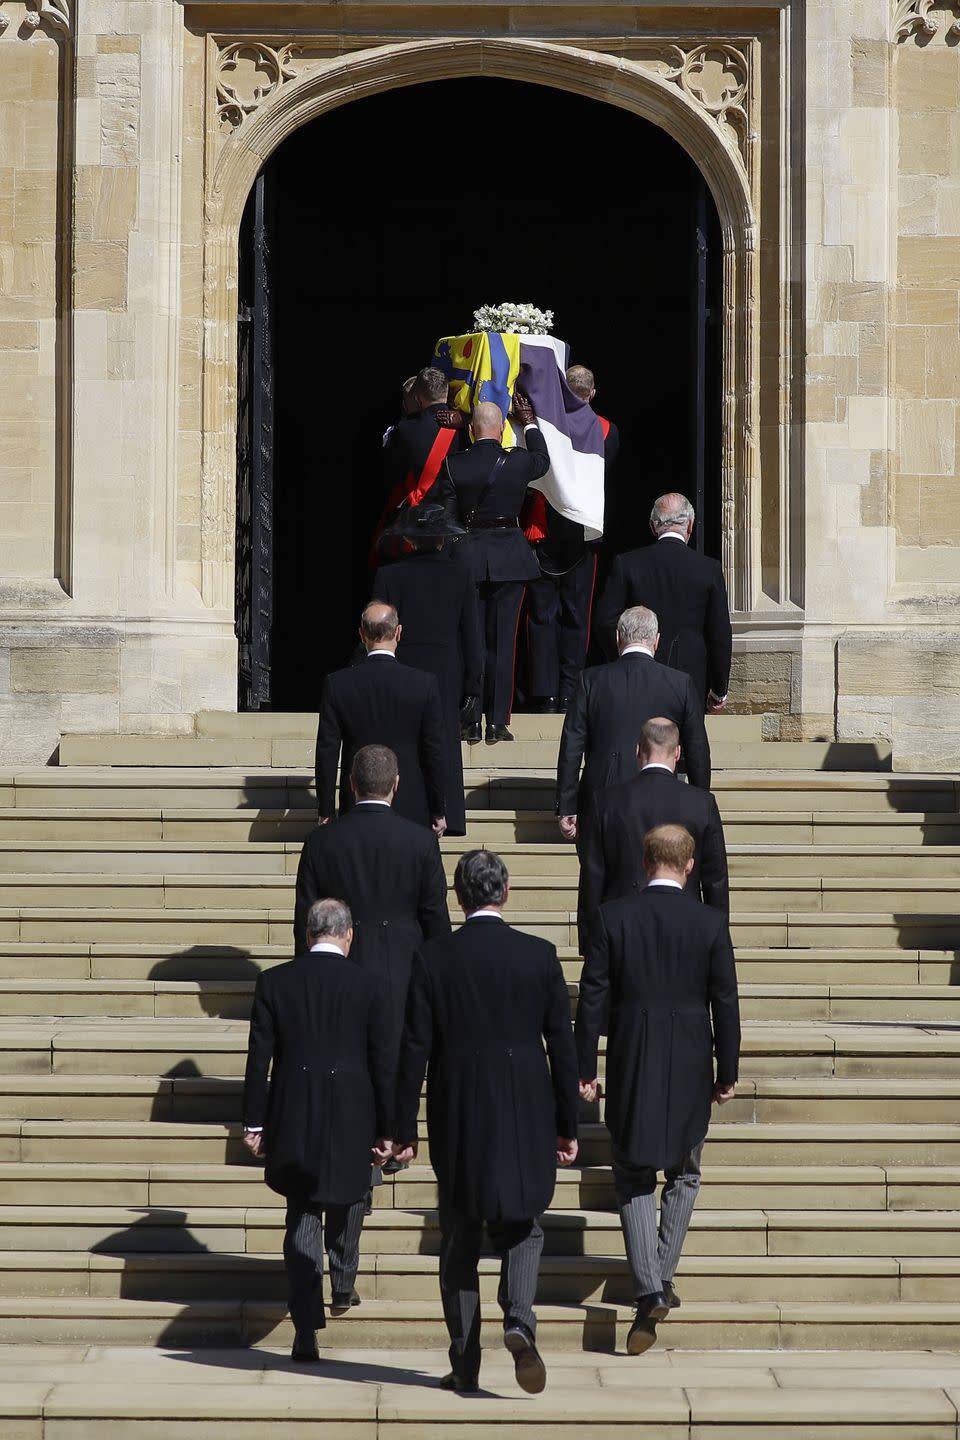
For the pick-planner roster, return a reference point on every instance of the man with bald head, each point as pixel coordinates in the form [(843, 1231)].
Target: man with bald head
[(484, 490), (382, 702), (688, 593)]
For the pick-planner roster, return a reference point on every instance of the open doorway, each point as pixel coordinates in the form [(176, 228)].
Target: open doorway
[(381, 226)]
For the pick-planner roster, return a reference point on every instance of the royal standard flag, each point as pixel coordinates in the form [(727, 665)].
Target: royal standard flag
[(489, 366)]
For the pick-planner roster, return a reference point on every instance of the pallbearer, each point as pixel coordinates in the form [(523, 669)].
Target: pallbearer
[(662, 966)]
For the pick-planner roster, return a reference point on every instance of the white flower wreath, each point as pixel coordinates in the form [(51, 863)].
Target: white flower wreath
[(514, 319)]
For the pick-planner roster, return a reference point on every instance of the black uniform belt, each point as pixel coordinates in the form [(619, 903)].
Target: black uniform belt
[(499, 522)]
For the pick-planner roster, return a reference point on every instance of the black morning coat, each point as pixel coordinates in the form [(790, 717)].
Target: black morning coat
[(436, 600), (688, 593), (323, 1023), (662, 967), (602, 725), (482, 1003), (611, 841), (382, 702), (463, 491), (388, 870)]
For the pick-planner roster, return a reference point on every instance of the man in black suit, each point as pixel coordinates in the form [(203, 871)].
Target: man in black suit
[(387, 869), (662, 968), (381, 702), (501, 1109), (319, 1025), (484, 489), (560, 600), (429, 430), (620, 816), (611, 704), (688, 593)]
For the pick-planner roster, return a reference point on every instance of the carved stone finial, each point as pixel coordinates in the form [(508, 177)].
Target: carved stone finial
[(4, 21), (256, 71), (55, 12), (925, 20)]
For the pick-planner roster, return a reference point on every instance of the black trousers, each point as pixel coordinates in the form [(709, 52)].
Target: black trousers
[(519, 1243), (499, 602), (559, 608), (303, 1245)]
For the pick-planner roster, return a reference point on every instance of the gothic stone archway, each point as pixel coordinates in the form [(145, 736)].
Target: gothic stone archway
[(703, 95)]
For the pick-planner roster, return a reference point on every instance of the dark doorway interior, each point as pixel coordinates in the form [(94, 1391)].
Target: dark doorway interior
[(387, 222)]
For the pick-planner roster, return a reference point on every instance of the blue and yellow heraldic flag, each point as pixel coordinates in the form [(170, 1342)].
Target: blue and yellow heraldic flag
[(489, 366)]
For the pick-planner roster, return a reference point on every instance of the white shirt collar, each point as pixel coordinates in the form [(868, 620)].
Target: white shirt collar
[(384, 803), (664, 885), (638, 650), (487, 913), (389, 653), (656, 765), (326, 948), (671, 535)]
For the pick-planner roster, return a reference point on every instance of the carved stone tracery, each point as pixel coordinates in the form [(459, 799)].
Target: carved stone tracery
[(924, 20), (717, 78), (257, 70)]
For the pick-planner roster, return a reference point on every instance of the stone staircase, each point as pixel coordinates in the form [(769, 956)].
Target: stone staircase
[(144, 883)]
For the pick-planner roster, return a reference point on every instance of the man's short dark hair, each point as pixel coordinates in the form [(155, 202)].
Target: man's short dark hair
[(659, 734), (431, 385), (373, 772), (378, 622), (328, 919), (480, 879)]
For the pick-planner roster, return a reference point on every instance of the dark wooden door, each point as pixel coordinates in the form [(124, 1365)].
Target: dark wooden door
[(255, 456), (701, 322)]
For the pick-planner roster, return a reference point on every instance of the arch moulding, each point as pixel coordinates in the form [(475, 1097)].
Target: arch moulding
[(718, 130)]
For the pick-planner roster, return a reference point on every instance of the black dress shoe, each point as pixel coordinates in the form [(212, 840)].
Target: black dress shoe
[(563, 705), (472, 733), (643, 1331), (304, 1350), (342, 1300), (461, 1384), (497, 732), (671, 1296), (544, 705), (528, 1365)]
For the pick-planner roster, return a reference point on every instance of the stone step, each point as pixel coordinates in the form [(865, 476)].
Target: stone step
[(734, 1143), (76, 1392), (258, 1230), (292, 725), (564, 1279), (183, 1094), (391, 1324), (756, 791), (230, 999), (261, 862), (217, 1049), (733, 1187), (519, 755)]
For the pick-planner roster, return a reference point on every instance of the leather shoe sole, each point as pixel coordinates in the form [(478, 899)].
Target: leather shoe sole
[(528, 1366), (642, 1336)]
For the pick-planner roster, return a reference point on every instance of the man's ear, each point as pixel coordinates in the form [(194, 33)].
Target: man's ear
[(398, 634), (676, 756), (687, 869), (656, 642)]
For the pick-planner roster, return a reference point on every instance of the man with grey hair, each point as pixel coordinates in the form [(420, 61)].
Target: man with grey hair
[(484, 490), (488, 1021), (688, 593), (611, 705), (320, 1030)]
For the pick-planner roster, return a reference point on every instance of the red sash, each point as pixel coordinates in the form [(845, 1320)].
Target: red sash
[(604, 425), (411, 491)]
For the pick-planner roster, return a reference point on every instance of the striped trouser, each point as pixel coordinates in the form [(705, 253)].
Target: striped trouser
[(654, 1253), (519, 1243), (303, 1244)]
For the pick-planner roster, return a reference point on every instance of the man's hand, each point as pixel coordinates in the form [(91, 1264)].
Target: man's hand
[(323, 819), (566, 1150), (568, 827), (714, 704), (450, 418), (439, 824), (253, 1139), (405, 1153), (523, 412), (382, 1151), (723, 1093), (589, 1089)]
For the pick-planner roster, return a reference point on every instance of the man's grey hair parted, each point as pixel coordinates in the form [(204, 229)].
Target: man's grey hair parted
[(328, 920), (637, 626), (671, 510), (480, 879)]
